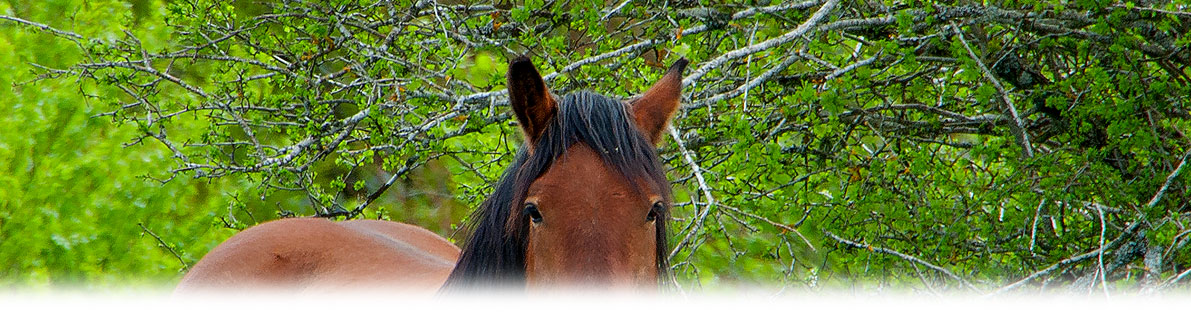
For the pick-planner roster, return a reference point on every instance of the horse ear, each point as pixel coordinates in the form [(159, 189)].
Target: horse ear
[(531, 101), (653, 109)]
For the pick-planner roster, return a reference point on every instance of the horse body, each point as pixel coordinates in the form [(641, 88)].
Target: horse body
[(314, 254), (585, 203)]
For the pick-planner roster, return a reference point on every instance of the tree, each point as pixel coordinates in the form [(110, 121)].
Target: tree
[(914, 144)]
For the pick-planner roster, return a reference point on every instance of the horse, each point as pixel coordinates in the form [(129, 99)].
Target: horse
[(585, 203)]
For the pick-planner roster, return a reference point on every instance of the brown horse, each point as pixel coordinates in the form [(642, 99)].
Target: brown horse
[(585, 203)]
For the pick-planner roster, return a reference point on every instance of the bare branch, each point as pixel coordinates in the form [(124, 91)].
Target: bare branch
[(162, 243), (904, 257), (710, 200), (1019, 130), (66, 34), (798, 32)]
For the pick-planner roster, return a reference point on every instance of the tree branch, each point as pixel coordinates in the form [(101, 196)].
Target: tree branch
[(906, 257)]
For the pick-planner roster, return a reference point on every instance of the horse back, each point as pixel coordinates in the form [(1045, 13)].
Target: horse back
[(319, 255)]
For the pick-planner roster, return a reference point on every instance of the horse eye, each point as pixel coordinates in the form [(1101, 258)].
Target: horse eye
[(531, 210), (655, 212)]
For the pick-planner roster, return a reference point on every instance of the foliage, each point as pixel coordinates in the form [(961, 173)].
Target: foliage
[(917, 144), (75, 209)]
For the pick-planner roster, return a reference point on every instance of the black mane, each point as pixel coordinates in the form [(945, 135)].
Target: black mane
[(495, 253)]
